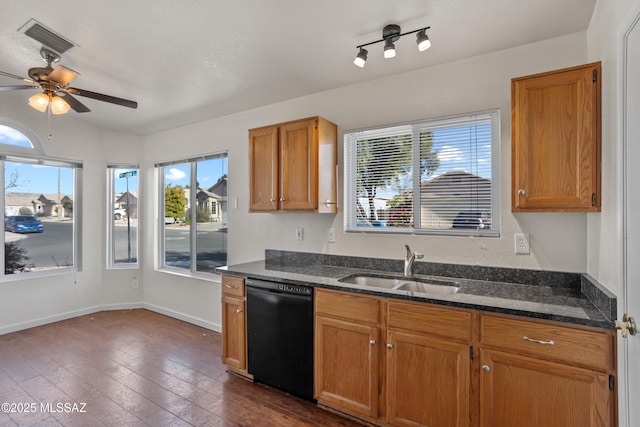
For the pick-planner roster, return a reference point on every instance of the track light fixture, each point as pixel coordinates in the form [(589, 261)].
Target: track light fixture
[(390, 34)]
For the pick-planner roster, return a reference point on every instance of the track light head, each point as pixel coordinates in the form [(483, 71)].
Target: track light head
[(361, 58), (422, 39), (389, 49)]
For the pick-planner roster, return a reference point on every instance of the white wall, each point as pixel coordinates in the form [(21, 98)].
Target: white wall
[(28, 302), (608, 23), (558, 241)]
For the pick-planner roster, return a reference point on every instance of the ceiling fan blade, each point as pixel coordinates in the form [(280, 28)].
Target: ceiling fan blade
[(77, 106), (13, 76), (8, 88), (62, 75), (102, 97)]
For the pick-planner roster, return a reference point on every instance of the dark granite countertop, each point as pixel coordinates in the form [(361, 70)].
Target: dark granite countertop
[(572, 298)]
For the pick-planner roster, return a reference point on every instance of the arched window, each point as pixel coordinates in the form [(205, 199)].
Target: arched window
[(16, 138)]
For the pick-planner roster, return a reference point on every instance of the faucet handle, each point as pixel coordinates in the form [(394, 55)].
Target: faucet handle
[(419, 256), (408, 250)]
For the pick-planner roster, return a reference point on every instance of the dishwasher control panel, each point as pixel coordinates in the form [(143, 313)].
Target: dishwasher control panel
[(293, 289)]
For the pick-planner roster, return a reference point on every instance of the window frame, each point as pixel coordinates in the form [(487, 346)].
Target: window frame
[(192, 202), (36, 155), (415, 127), (111, 264)]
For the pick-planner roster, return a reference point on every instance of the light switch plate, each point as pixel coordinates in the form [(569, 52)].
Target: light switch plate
[(299, 233), (331, 238)]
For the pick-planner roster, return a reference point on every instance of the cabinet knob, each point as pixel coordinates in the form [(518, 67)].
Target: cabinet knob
[(486, 368), (521, 192), (238, 310), (389, 346), (272, 200), (282, 199), (231, 286), (372, 342)]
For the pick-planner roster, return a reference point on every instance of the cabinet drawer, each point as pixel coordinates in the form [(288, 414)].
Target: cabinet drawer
[(427, 319), (233, 285), (573, 346), (349, 306)]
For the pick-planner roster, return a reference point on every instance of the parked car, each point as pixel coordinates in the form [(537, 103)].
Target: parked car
[(23, 224), (471, 220), (119, 214)]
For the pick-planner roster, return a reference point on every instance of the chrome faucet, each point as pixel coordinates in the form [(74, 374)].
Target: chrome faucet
[(409, 258)]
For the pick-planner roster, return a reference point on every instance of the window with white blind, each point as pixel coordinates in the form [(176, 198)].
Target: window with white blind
[(433, 176)]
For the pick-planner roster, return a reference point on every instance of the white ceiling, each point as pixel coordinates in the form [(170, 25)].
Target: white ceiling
[(192, 60)]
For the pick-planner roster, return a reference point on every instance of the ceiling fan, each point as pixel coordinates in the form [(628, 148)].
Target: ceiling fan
[(56, 92)]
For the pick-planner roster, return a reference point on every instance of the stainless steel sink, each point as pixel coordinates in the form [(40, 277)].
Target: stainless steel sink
[(410, 285), (440, 288)]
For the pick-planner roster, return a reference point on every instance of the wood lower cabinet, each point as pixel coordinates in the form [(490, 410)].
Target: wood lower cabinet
[(397, 363), (347, 348), (293, 167), (346, 371), (428, 365), (234, 324), (542, 374), (418, 375), (555, 143), (529, 392)]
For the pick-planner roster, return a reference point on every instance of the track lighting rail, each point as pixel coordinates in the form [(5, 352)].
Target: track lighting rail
[(393, 36)]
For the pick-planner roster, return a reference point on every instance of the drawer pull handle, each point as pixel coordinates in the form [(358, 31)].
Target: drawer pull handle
[(231, 286), (550, 342)]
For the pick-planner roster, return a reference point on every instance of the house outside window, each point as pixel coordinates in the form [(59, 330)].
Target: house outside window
[(193, 235), (428, 177), (41, 208)]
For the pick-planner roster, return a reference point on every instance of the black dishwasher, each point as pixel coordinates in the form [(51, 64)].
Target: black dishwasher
[(280, 336)]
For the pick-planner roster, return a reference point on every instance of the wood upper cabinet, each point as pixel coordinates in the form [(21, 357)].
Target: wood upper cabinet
[(347, 348), (541, 374), (293, 167), (555, 142), (234, 329)]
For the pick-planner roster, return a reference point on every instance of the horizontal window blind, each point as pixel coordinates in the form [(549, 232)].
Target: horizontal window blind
[(432, 176)]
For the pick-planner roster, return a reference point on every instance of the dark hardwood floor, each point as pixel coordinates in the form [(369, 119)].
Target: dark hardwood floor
[(135, 368)]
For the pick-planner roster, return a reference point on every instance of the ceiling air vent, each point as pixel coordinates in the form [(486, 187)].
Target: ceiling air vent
[(47, 37)]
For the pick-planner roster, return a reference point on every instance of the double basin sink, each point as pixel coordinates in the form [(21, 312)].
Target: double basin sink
[(411, 285)]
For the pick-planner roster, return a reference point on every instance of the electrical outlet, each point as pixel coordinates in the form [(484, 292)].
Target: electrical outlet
[(521, 243), (135, 283), (299, 233), (331, 238)]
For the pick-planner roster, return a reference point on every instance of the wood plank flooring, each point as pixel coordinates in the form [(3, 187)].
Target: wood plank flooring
[(135, 368)]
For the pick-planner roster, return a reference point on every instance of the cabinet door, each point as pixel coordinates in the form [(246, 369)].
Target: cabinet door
[(556, 141), (263, 165), (528, 392), (234, 335), (298, 166), (427, 381), (346, 365)]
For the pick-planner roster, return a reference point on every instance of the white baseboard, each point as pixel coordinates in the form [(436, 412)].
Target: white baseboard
[(49, 319), (181, 316), (15, 327)]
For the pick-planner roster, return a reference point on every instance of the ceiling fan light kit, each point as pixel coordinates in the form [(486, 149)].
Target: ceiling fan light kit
[(56, 93), (390, 34)]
